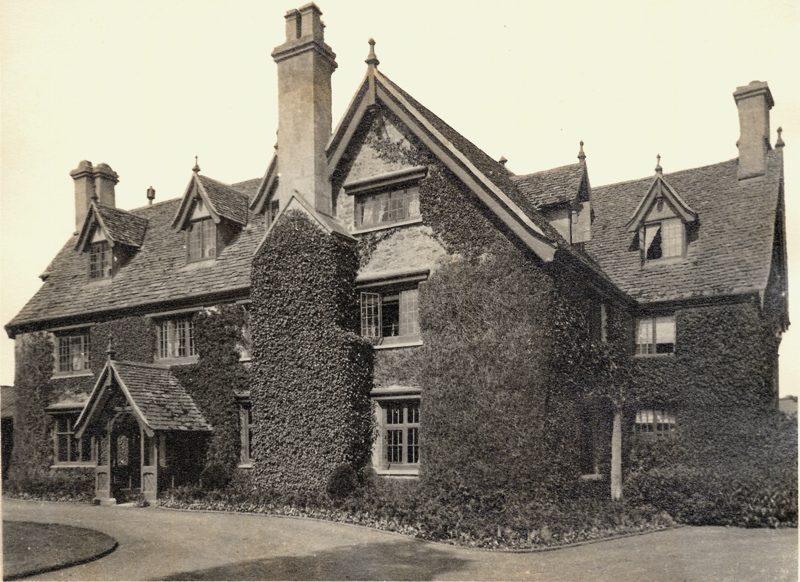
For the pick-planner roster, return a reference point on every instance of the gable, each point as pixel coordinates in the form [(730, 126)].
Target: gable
[(219, 201), (660, 202), (116, 226)]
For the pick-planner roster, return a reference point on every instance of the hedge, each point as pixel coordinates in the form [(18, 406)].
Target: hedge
[(312, 372)]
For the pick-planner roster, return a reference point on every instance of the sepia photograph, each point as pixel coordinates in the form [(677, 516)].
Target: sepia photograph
[(411, 290)]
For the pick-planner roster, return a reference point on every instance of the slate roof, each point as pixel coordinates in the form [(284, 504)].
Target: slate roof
[(225, 200), (156, 273), (731, 253), (551, 187), (162, 400), (122, 226)]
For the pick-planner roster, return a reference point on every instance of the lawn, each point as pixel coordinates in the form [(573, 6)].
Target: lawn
[(30, 548)]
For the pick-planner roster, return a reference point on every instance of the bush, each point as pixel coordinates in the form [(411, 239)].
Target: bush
[(342, 482), (60, 485)]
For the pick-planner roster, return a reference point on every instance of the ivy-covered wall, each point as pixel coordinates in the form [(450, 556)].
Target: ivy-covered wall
[(311, 372)]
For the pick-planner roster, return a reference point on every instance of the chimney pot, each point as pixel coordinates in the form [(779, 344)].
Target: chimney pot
[(104, 181), (753, 101), (310, 22), (151, 194)]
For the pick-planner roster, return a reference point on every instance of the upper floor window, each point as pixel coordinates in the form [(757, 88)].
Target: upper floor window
[(201, 237), (175, 338), (272, 211), (386, 207), (72, 352), (663, 240), (69, 450), (655, 335), (392, 314), (100, 260), (654, 423)]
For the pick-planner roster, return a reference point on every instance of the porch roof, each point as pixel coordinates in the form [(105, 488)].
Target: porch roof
[(156, 397)]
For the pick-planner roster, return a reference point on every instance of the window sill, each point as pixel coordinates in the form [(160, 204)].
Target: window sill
[(201, 264), (81, 374), (664, 261), (177, 361), (592, 477), (73, 466), (398, 342), (408, 222), (647, 356), (244, 466), (405, 472)]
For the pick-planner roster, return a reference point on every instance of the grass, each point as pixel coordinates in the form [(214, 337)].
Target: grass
[(31, 548)]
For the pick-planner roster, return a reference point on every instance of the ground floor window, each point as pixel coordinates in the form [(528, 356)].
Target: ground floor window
[(69, 450), (245, 433), (654, 423), (400, 433)]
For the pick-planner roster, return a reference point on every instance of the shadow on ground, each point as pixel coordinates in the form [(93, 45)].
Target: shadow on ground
[(400, 560)]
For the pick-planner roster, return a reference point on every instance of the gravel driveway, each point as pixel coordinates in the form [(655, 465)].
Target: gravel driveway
[(162, 544)]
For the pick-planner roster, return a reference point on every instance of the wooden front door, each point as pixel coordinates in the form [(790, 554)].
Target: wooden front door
[(126, 459)]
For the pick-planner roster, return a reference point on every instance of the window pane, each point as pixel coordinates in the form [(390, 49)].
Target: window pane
[(394, 446), (672, 237), (74, 449), (370, 315), (394, 414), (409, 312), (665, 335), (413, 445), (652, 241), (63, 448), (413, 413), (644, 336), (209, 239), (390, 315)]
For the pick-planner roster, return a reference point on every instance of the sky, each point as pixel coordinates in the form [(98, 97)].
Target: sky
[(145, 86)]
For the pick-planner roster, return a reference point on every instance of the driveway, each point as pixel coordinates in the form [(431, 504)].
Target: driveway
[(162, 544)]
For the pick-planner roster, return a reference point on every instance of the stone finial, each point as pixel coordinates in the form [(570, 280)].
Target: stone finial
[(659, 169), (196, 168), (151, 194), (503, 161), (780, 143), (581, 154), (110, 351), (372, 59)]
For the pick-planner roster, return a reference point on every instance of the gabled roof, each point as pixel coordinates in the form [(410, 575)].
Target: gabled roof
[(157, 274), (730, 252), (660, 189), (298, 203), (222, 201), (551, 187), (119, 226), (155, 396)]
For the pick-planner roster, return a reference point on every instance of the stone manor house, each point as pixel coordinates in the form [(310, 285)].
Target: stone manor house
[(679, 253)]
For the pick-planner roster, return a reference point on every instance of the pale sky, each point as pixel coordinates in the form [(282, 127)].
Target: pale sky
[(145, 86)]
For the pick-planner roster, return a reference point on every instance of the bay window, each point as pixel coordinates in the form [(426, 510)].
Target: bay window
[(69, 450)]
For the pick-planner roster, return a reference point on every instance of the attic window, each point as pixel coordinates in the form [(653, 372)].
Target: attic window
[(100, 260), (663, 240), (201, 240), (387, 207)]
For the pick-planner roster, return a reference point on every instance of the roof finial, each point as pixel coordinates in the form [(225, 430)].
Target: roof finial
[(503, 161), (659, 170), (779, 143), (196, 168), (581, 154), (151, 194), (110, 351), (372, 60)]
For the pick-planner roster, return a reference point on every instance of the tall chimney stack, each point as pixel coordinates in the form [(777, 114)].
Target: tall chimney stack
[(754, 102), (305, 65), (104, 181), (83, 176)]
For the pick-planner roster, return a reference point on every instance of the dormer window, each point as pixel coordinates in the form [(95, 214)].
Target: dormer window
[(100, 262), (663, 240), (201, 240)]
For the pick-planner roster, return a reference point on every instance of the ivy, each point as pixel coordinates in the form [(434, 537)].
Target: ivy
[(312, 372)]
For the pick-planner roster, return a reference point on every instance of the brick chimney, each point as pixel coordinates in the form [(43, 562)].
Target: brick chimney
[(90, 183), (754, 102), (305, 65)]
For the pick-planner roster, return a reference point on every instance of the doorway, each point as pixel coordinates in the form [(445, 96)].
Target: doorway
[(126, 459)]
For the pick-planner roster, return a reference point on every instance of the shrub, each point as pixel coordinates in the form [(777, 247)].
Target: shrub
[(342, 482), (59, 485)]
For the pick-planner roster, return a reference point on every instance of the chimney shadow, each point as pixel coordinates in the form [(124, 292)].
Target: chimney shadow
[(400, 560)]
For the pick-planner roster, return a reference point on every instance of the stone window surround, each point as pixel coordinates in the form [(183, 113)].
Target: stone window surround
[(396, 180), (69, 412), (392, 394), (391, 281)]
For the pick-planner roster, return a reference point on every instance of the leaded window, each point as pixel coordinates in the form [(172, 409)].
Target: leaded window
[(72, 352), (390, 314), (201, 238), (387, 207), (67, 448), (655, 423), (401, 432), (663, 239), (100, 260), (175, 338), (655, 335)]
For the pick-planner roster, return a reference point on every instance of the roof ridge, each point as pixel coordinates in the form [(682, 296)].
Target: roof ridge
[(677, 173), (536, 173)]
